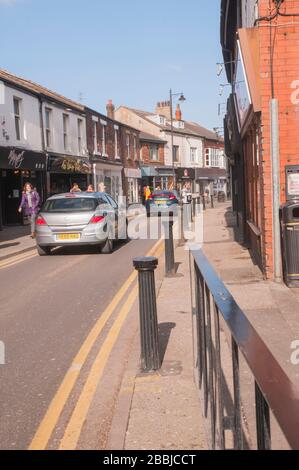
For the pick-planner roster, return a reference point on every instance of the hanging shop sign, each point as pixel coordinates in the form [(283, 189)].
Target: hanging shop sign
[(18, 159), (242, 94), (185, 174), (58, 164)]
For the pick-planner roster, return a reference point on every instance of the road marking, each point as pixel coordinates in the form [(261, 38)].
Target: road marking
[(16, 260), (74, 427), (47, 425)]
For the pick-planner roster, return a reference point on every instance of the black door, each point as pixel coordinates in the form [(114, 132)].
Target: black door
[(12, 197)]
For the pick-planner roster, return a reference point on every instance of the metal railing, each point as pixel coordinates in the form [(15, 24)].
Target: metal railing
[(274, 392)]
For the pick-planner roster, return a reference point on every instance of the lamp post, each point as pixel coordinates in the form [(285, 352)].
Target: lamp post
[(181, 98)]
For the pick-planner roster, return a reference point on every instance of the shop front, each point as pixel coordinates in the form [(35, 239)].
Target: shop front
[(185, 177), (133, 181), (64, 171), (17, 167), (109, 177), (211, 181)]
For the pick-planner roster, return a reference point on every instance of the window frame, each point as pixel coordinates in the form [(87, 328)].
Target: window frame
[(17, 116), (65, 120)]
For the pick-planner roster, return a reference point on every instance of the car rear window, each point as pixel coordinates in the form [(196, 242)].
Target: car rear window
[(76, 204)]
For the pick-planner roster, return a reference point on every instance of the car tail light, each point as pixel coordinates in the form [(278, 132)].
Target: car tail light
[(40, 220), (96, 219), (172, 197)]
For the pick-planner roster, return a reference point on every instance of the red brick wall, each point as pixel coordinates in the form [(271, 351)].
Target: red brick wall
[(285, 72)]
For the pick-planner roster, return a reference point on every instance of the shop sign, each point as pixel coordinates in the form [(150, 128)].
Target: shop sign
[(241, 89), (68, 165), (186, 174), (16, 159), (292, 177)]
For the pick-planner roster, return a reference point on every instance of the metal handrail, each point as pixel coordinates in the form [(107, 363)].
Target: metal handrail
[(274, 390)]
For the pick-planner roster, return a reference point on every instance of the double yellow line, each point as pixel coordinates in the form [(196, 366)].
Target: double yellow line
[(7, 263), (75, 424)]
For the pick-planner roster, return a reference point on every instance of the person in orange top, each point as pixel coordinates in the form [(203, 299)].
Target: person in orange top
[(147, 193)]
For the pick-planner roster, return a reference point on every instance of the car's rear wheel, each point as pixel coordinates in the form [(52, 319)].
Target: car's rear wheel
[(43, 250), (108, 245)]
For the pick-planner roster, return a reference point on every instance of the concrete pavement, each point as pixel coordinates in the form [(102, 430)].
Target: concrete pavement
[(15, 240), (162, 410)]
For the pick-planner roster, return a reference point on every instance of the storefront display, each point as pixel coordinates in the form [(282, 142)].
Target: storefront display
[(64, 171), (17, 167)]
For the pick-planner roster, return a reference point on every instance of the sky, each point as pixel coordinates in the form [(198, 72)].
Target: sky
[(130, 51)]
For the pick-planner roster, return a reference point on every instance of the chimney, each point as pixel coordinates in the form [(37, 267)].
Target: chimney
[(163, 109), (110, 109), (178, 113)]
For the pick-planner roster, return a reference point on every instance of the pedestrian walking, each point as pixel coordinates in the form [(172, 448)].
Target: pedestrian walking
[(30, 205), (75, 188), (147, 192)]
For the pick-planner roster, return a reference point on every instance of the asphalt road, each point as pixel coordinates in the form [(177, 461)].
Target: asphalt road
[(48, 305)]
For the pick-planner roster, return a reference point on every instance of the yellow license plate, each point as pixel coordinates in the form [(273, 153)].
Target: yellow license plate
[(160, 203), (68, 236)]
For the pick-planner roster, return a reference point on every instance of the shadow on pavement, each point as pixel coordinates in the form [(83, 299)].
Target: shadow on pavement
[(164, 335)]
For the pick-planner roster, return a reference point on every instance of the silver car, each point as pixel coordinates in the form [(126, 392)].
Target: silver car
[(78, 219)]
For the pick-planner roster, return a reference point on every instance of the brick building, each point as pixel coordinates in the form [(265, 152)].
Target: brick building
[(260, 41), (114, 152)]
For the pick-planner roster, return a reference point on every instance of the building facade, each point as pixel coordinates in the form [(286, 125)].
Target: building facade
[(261, 63), (190, 144), (21, 146)]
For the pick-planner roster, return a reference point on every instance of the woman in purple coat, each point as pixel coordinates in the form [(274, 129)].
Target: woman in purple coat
[(30, 205)]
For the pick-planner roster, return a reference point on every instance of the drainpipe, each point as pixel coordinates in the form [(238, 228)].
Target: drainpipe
[(275, 161)]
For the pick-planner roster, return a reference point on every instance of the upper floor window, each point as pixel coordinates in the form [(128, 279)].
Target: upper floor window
[(95, 137), (193, 155), (17, 114), (154, 152), (79, 123), (212, 157), (135, 147), (176, 153), (48, 118), (128, 145), (116, 142), (65, 118), (104, 138)]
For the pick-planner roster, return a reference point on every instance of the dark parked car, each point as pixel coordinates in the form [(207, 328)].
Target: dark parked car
[(162, 203)]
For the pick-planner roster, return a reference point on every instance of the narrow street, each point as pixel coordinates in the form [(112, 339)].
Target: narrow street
[(48, 307)]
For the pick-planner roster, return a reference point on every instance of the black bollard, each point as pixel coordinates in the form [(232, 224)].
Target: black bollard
[(169, 248), (150, 358)]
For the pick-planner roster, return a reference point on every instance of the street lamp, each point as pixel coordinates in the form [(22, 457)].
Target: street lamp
[(181, 99)]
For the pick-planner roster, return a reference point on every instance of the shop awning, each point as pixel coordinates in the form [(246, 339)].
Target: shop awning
[(148, 171), (132, 172)]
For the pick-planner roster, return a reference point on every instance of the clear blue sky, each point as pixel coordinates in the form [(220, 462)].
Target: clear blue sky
[(131, 51)]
